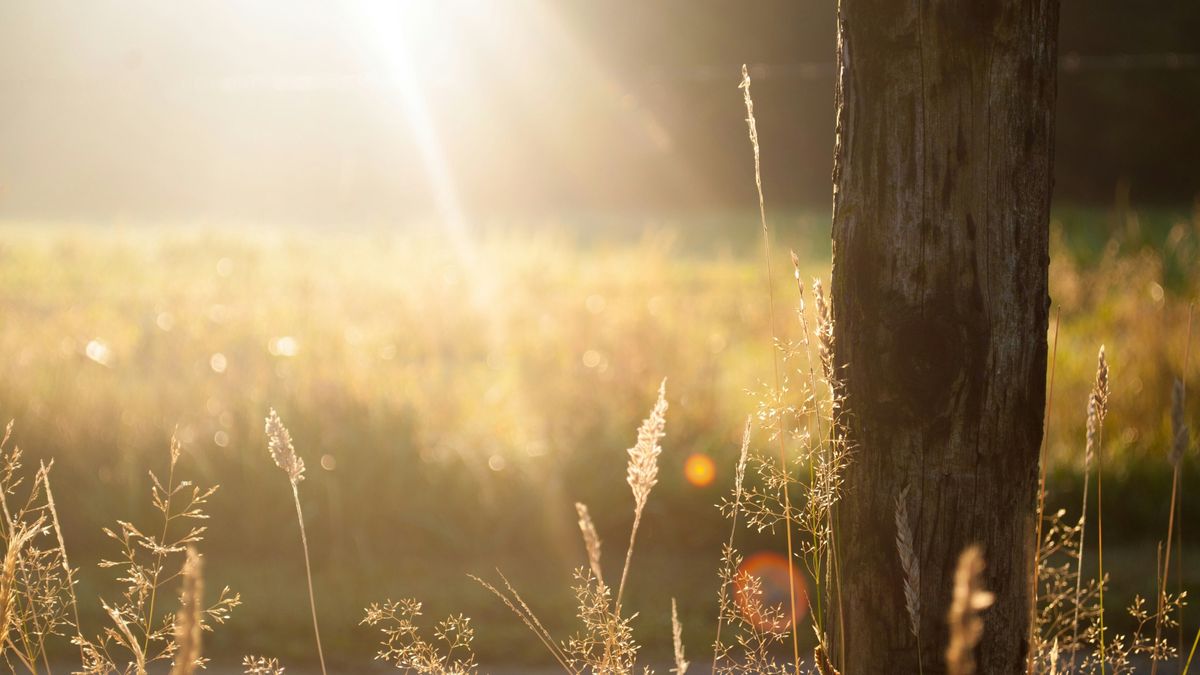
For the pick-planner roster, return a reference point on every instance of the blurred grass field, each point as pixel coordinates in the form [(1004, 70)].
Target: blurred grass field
[(489, 381)]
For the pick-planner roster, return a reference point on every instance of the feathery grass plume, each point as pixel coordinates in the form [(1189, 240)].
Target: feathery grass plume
[(911, 567), (260, 665), (752, 129), (966, 626), (642, 473), (404, 648), (681, 665), (591, 540), (189, 619), (279, 443), (824, 331), (1097, 408)]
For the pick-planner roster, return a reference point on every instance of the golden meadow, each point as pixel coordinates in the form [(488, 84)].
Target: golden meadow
[(491, 385)]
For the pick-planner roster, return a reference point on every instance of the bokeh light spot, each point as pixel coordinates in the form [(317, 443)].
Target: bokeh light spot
[(761, 591), (284, 346), (700, 470), (98, 352)]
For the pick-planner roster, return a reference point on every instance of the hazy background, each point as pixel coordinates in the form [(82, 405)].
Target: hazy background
[(458, 244), (303, 112)]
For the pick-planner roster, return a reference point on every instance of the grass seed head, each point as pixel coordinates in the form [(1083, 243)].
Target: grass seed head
[(643, 457), (279, 442)]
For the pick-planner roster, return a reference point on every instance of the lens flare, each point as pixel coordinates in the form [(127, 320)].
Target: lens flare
[(761, 591), (699, 470)]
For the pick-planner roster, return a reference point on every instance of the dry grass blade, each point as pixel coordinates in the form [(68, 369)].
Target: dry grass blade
[(909, 563), (642, 474), (752, 129), (1097, 410), (966, 626), (591, 540), (44, 473), (189, 619), (279, 442), (517, 606), (681, 665)]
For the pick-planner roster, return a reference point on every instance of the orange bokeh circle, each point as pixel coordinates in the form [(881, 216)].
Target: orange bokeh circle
[(770, 610), (699, 470)]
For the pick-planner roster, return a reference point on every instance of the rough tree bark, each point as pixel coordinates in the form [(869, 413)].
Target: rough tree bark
[(942, 185)]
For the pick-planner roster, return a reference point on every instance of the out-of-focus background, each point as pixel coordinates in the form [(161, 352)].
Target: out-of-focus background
[(458, 244)]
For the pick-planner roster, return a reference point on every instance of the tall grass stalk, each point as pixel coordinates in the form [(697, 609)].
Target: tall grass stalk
[(44, 472), (1041, 505), (642, 475), (739, 475), (1195, 643), (1175, 457), (279, 442), (1097, 409), (1187, 352), (158, 563), (833, 580), (752, 127)]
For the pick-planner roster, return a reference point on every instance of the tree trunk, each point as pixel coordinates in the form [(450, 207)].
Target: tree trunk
[(942, 182)]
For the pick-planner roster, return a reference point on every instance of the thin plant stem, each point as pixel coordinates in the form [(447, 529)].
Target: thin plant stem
[(762, 215), (159, 557), (737, 504), (1041, 507), (1100, 533), (1188, 666), (1164, 570), (62, 549), (637, 520), (1187, 352), (312, 598)]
